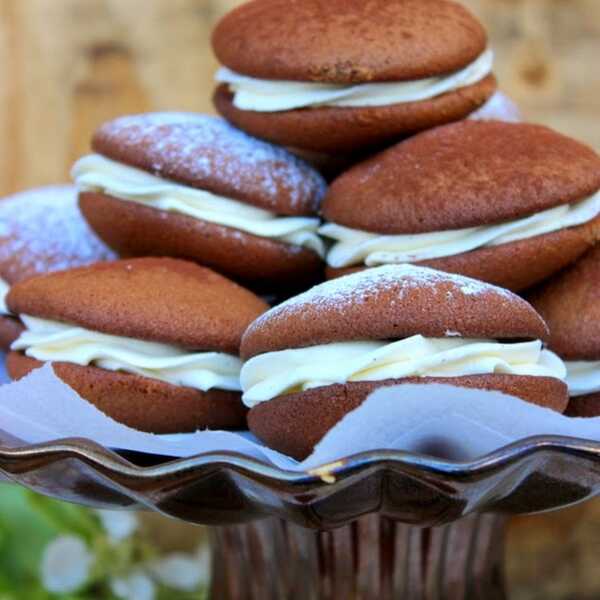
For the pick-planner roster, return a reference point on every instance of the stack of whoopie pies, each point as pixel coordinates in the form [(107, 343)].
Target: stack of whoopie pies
[(444, 206)]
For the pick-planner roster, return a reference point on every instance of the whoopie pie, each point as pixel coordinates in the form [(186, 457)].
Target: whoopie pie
[(192, 186), (316, 357), (340, 76), (41, 230), (152, 342), (507, 203), (570, 303)]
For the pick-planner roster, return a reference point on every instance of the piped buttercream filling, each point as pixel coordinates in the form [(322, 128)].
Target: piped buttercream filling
[(273, 374), (583, 377), (95, 173), (264, 95), (353, 247), (4, 289), (61, 342)]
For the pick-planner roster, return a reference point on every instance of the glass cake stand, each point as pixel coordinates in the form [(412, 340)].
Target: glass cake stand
[(381, 524)]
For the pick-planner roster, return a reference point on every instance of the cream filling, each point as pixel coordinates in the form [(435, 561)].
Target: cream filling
[(354, 247), (264, 95), (95, 173), (583, 377), (53, 341), (4, 289), (272, 374)]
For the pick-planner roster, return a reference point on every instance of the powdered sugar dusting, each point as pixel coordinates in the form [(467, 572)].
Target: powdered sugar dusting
[(207, 147), (356, 288), (42, 230)]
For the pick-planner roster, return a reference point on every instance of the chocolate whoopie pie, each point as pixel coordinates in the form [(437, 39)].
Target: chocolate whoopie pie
[(192, 186), (340, 76), (570, 303), (152, 342), (507, 203), (316, 357), (41, 230)]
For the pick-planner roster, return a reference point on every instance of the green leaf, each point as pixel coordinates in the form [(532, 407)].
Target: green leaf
[(24, 535), (64, 517)]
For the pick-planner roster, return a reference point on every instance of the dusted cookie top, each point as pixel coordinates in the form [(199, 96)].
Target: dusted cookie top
[(42, 230), (463, 175), (156, 299), (348, 41), (571, 305), (393, 302), (206, 152)]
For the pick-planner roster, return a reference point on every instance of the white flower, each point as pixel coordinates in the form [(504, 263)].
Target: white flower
[(137, 586), (66, 565), (184, 572), (119, 524), (204, 558)]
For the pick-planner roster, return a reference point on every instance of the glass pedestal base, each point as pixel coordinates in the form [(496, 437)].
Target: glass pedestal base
[(373, 557)]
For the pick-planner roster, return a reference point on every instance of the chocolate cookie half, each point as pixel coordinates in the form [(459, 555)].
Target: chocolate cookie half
[(152, 342), (570, 303), (41, 230), (192, 186), (314, 358), (507, 203), (340, 76)]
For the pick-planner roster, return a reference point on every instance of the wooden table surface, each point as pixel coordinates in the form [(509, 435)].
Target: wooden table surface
[(68, 65)]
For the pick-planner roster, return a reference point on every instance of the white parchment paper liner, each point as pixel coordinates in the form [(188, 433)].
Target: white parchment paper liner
[(446, 421)]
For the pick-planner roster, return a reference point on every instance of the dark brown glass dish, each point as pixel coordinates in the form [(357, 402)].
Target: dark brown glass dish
[(381, 504)]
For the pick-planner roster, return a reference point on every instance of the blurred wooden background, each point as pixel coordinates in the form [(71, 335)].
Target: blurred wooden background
[(68, 65)]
